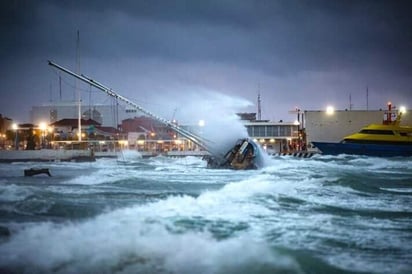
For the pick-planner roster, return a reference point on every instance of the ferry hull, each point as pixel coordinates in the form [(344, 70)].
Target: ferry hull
[(378, 150)]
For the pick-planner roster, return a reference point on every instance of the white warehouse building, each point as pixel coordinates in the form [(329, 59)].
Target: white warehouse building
[(106, 115)]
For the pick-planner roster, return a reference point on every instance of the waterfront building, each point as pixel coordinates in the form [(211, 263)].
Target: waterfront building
[(5, 133), (68, 129), (276, 137), (147, 134), (5, 124)]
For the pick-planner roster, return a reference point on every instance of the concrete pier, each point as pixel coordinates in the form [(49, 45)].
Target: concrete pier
[(45, 155)]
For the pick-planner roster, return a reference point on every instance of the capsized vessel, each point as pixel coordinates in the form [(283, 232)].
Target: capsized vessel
[(245, 154)]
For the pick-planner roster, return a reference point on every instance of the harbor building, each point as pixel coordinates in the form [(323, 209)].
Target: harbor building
[(276, 137), (5, 134), (147, 134)]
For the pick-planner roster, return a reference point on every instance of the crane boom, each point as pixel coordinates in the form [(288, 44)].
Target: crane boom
[(190, 135)]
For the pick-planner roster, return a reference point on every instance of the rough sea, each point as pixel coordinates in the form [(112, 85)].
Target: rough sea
[(341, 214)]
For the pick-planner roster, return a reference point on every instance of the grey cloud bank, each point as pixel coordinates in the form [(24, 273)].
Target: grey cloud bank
[(300, 53)]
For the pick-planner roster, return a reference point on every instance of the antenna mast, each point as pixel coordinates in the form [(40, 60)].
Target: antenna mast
[(367, 98), (259, 105)]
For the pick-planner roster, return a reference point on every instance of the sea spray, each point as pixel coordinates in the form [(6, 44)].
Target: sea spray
[(220, 125)]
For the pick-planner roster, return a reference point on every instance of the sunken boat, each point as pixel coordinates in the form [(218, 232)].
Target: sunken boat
[(245, 154)]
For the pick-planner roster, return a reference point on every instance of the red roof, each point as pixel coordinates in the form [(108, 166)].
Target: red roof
[(111, 130)]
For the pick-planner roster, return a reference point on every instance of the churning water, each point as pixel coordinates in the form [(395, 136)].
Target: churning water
[(341, 214)]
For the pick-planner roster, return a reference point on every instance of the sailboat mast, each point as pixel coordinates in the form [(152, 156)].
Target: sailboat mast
[(259, 108), (78, 90), (367, 98)]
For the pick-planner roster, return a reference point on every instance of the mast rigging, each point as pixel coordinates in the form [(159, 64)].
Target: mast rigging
[(191, 136)]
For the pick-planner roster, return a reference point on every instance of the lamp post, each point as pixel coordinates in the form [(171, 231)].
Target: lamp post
[(43, 128), (50, 135), (15, 128)]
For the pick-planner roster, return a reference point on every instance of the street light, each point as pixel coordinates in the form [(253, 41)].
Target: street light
[(330, 110), (15, 127), (43, 127), (50, 134)]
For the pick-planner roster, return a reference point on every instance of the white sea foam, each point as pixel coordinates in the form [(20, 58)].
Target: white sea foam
[(299, 204), (139, 238), (188, 163), (101, 172), (12, 193), (132, 247), (129, 155), (306, 176), (397, 190)]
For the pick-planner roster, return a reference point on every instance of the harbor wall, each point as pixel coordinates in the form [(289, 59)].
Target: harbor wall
[(47, 155), (43, 155)]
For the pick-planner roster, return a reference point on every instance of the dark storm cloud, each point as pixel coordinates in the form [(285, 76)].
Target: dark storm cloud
[(279, 36), (272, 34), (294, 46)]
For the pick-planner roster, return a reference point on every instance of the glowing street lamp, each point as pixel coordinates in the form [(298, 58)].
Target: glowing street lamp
[(43, 126), (330, 110), (402, 109)]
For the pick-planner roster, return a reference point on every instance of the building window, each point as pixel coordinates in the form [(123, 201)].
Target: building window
[(285, 131)]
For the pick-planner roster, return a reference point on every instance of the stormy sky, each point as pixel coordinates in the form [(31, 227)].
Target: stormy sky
[(172, 55)]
